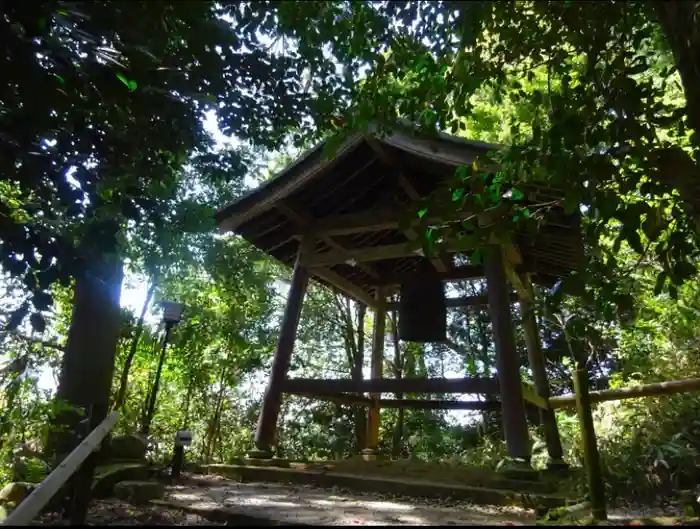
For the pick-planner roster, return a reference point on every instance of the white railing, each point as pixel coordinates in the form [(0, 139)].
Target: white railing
[(40, 497)]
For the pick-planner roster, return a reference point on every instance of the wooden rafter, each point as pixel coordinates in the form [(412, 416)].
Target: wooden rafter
[(304, 221), (438, 261)]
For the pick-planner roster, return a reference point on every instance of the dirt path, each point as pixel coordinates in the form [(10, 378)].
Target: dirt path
[(312, 505), (212, 500)]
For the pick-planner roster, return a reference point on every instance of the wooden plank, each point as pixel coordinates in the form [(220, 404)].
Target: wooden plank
[(645, 390), (464, 301), (392, 385), (424, 404)]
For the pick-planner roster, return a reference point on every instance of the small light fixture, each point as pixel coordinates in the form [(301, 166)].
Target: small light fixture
[(172, 312)]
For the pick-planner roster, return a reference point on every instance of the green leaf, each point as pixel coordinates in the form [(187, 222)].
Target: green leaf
[(123, 79), (516, 194)]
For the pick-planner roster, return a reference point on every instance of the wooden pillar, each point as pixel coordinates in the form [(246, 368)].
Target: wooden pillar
[(507, 360), (377, 372), (539, 374), (267, 422), (591, 458)]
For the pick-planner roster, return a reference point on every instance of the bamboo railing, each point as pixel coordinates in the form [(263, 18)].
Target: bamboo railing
[(32, 505)]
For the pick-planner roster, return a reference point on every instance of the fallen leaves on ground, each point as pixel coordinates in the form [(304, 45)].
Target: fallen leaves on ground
[(118, 512)]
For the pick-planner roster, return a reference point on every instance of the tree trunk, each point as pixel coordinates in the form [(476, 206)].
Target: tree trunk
[(121, 394), (680, 21), (211, 431), (188, 400), (88, 363)]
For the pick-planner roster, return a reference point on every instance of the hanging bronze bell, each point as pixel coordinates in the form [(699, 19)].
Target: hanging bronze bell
[(422, 309)]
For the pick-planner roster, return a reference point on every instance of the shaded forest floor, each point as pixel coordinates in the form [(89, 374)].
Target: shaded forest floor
[(211, 500)]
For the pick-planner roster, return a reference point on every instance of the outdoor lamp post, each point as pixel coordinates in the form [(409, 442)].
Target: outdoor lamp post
[(172, 314), (183, 438)]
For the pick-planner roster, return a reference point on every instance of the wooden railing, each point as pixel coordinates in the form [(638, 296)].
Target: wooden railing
[(47, 489)]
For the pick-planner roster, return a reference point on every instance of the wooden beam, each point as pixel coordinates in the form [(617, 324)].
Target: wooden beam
[(371, 220), (392, 385), (591, 456), (379, 253), (457, 273), (339, 398), (645, 390), (343, 285), (303, 220), (532, 397), (412, 235), (507, 357), (424, 404), (265, 432), (464, 301), (377, 369), (539, 374)]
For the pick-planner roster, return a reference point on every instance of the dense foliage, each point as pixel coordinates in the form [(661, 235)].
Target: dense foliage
[(103, 132)]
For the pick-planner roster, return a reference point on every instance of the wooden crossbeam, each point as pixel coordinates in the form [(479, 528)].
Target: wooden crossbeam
[(464, 301), (424, 404), (645, 390), (531, 396), (458, 273), (378, 253), (343, 285), (340, 398), (392, 385), (370, 220), (304, 220), (413, 404)]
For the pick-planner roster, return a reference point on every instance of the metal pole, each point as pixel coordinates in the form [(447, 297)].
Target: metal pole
[(156, 383), (178, 460)]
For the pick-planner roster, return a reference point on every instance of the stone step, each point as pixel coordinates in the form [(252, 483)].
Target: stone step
[(484, 495)]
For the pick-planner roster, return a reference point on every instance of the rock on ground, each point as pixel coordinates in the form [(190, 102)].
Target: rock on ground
[(139, 492)]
